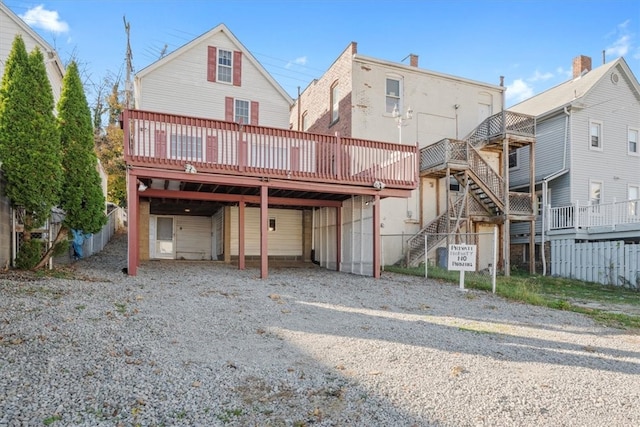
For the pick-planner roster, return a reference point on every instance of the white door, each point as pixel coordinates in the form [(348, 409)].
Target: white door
[(165, 246)]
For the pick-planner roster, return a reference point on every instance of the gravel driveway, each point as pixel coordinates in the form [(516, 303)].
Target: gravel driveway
[(186, 343)]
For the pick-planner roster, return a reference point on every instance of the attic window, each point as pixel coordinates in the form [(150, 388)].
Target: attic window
[(225, 58)]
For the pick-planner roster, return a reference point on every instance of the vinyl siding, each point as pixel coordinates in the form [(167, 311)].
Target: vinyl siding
[(8, 31), (193, 237), (616, 106), (180, 86), (549, 151), (286, 240)]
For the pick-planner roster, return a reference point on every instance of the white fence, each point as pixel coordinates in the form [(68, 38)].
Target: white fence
[(608, 263)]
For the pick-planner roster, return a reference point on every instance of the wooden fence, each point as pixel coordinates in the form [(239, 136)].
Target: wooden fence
[(609, 263)]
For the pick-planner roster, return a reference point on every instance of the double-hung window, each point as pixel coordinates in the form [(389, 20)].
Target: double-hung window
[(392, 100), (242, 111), (595, 192), (633, 141), (225, 66), (595, 135)]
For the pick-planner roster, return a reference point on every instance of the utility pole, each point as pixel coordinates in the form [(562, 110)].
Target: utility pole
[(128, 57)]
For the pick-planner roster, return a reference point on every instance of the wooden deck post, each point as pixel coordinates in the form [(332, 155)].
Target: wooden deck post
[(264, 231), (132, 224), (241, 237)]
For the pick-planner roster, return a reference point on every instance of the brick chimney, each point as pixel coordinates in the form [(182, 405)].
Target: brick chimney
[(413, 60), (580, 64)]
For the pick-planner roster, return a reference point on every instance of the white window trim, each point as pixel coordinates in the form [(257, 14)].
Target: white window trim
[(235, 115), (400, 89), (601, 199), (219, 67), (637, 152), (601, 136)]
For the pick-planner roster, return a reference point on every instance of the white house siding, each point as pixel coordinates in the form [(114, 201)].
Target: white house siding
[(617, 108), (193, 237), (284, 241), (357, 237), (180, 87), (324, 237), (217, 234), (9, 28)]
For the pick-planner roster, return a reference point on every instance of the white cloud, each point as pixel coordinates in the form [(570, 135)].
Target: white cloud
[(301, 60), (620, 47), (48, 20), (623, 43), (518, 91), (538, 76)]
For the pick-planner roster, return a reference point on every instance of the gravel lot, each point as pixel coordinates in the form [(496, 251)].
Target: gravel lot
[(186, 343)]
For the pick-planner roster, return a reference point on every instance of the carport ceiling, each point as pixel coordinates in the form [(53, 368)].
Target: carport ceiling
[(169, 206)]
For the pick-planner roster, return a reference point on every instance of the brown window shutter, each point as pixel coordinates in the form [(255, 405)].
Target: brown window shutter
[(237, 68), (212, 62), (228, 109), (255, 113)]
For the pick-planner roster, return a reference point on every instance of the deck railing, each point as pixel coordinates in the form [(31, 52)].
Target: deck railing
[(501, 123), (601, 215), (443, 152), (163, 140)]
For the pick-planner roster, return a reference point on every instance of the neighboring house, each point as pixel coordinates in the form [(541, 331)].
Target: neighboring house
[(587, 174), (460, 130), (214, 172), (10, 26)]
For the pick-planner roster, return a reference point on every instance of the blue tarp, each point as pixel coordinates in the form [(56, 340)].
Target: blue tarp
[(78, 239)]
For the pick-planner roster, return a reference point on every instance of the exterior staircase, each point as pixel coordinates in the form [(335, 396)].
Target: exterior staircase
[(463, 160), (435, 232)]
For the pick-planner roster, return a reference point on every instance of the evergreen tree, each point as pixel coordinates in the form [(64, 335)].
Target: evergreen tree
[(81, 196), (29, 139)]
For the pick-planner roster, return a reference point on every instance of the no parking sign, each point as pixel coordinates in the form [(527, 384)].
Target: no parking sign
[(462, 257)]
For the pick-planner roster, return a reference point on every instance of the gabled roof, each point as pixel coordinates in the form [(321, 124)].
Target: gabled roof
[(221, 28), (46, 47), (572, 91)]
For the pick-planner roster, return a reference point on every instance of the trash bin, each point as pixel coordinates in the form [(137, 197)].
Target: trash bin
[(441, 257)]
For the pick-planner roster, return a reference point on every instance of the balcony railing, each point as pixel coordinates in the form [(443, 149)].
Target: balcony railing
[(500, 124), (601, 215), (443, 152), (168, 141)]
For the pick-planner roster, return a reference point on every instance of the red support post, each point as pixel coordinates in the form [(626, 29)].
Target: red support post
[(133, 221), (241, 257), (264, 230)]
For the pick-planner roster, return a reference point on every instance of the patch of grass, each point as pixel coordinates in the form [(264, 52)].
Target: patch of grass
[(52, 419), (228, 414), (553, 292), (121, 307)]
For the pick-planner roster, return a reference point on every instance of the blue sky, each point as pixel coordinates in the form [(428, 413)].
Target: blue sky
[(530, 42)]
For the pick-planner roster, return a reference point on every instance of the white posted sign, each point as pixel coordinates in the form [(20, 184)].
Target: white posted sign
[(462, 257)]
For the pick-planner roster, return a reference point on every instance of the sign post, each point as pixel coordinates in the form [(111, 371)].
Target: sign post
[(462, 258)]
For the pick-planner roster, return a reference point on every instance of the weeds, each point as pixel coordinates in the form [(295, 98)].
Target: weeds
[(553, 292)]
